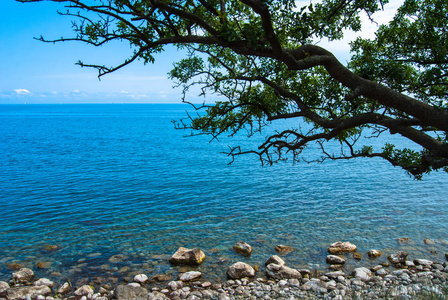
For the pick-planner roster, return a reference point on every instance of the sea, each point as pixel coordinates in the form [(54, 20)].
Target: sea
[(96, 193)]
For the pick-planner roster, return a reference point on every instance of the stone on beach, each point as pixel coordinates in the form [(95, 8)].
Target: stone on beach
[(336, 260), (84, 290), (3, 287), (23, 276), (44, 282), (399, 258), (275, 259), (190, 276), (64, 289), (341, 248), (282, 272), (129, 292), (184, 256), (284, 250), (240, 270), (423, 262), (363, 274), (243, 248), (141, 278), (27, 292)]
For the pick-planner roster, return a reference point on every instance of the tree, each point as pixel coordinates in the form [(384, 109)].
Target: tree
[(261, 57)]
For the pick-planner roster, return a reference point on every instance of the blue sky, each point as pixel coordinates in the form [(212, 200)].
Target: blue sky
[(35, 72)]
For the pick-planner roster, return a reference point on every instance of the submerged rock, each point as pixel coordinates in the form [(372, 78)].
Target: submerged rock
[(341, 248), (184, 256), (15, 266), (357, 256), (404, 240), (240, 270), (243, 248), (282, 249), (51, 248), (117, 258)]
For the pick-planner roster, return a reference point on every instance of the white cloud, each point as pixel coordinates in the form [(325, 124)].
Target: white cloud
[(22, 91)]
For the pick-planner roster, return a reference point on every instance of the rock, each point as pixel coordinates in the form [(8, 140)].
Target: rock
[(334, 259), (23, 276), (175, 285), (27, 292), (64, 289), (44, 264), (190, 276), (240, 270), (429, 241), (275, 259), (141, 278), (374, 253), (362, 273), (341, 248), (404, 240), (282, 272), (44, 282), (157, 296), (51, 248), (3, 287), (357, 256), (14, 266), (423, 262), (446, 256), (284, 250), (243, 248), (398, 258), (84, 290), (186, 256), (117, 258), (335, 275), (127, 292), (162, 277)]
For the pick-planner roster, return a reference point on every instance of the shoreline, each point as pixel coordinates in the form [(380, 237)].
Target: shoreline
[(401, 278)]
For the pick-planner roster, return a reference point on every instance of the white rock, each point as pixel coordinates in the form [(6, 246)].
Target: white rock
[(141, 278), (84, 290), (363, 274), (423, 262), (44, 281), (64, 289), (190, 276)]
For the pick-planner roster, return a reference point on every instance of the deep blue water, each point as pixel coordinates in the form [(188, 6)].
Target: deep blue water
[(100, 180)]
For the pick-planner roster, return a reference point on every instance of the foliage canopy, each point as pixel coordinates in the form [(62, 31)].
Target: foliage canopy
[(262, 58)]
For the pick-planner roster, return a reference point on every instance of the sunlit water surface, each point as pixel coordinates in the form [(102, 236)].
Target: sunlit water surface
[(101, 180)]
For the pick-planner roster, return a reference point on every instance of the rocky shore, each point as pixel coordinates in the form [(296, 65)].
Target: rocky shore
[(395, 278)]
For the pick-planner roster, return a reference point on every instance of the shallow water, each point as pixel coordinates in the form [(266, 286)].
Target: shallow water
[(100, 180)]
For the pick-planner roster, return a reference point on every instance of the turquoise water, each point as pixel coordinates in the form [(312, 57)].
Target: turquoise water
[(101, 180)]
